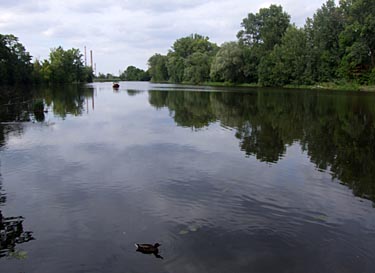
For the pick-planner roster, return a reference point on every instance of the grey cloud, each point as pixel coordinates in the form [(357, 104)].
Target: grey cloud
[(22, 5), (161, 5), (123, 33)]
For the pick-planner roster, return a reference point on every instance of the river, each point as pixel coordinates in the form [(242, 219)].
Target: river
[(225, 179)]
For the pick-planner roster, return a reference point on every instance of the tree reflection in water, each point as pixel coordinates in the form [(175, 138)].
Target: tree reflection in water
[(20, 105), (337, 131), (12, 234), (11, 231)]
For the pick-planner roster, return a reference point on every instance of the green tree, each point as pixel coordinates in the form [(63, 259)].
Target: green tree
[(357, 41), (158, 68), (190, 59), (251, 59), (15, 65), (176, 67), (287, 63), (197, 68), (66, 66), (264, 28), (261, 33), (133, 73), (228, 63), (186, 46), (324, 31)]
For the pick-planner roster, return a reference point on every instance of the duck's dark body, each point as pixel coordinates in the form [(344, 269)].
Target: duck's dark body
[(149, 249)]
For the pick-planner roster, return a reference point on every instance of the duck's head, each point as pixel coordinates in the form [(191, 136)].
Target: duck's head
[(157, 245)]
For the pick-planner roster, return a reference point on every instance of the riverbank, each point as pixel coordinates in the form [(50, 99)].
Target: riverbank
[(318, 86), (322, 86)]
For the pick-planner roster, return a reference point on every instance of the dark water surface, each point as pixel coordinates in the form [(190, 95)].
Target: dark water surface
[(227, 180)]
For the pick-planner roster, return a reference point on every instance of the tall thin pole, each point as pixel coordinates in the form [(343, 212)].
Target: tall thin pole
[(91, 59), (85, 57)]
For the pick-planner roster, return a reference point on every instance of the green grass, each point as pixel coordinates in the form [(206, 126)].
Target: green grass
[(341, 86), (229, 84), (368, 88)]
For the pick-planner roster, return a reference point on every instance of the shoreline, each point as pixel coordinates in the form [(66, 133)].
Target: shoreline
[(319, 86)]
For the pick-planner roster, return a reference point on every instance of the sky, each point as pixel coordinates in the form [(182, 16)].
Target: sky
[(129, 32)]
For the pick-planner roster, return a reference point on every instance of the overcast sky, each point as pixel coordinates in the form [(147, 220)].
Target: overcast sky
[(128, 32)]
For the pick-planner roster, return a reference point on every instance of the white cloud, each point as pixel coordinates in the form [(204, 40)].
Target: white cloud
[(129, 32)]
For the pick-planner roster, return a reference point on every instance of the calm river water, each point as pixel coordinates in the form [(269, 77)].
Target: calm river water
[(226, 180)]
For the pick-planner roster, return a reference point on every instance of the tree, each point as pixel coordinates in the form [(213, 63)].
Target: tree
[(324, 31), (186, 46), (66, 65), (357, 41), (176, 67), (158, 68), (228, 63), (190, 59), (15, 65), (133, 73), (264, 28), (287, 63), (261, 33), (197, 67)]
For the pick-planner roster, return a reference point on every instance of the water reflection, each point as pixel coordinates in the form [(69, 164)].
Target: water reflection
[(336, 131), (12, 234), (132, 92), (19, 106), (24, 105), (64, 100), (241, 184)]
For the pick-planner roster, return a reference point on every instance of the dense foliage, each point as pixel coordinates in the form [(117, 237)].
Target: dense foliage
[(15, 65), (336, 45), (189, 60), (63, 66), (133, 73)]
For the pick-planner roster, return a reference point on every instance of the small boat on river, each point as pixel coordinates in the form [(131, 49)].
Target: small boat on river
[(115, 85)]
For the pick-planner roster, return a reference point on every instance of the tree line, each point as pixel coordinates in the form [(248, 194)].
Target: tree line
[(62, 66), (336, 45)]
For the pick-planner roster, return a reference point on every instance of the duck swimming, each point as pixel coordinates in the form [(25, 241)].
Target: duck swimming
[(149, 249)]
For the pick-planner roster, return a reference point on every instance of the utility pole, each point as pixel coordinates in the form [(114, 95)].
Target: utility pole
[(85, 57), (91, 59)]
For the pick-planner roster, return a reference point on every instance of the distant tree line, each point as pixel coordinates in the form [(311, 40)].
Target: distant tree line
[(107, 77), (62, 66), (133, 73), (336, 45)]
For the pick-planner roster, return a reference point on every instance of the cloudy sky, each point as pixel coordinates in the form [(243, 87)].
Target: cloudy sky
[(128, 32)]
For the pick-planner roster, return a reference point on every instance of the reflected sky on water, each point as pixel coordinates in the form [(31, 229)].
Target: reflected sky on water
[(226, 179)]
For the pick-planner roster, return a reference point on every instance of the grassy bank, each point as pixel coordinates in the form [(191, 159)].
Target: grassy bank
[(323, 86)]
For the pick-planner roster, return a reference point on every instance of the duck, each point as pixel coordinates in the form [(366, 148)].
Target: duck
[(149, 249)]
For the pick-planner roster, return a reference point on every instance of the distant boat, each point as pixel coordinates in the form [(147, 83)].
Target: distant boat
[(115, 85)]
